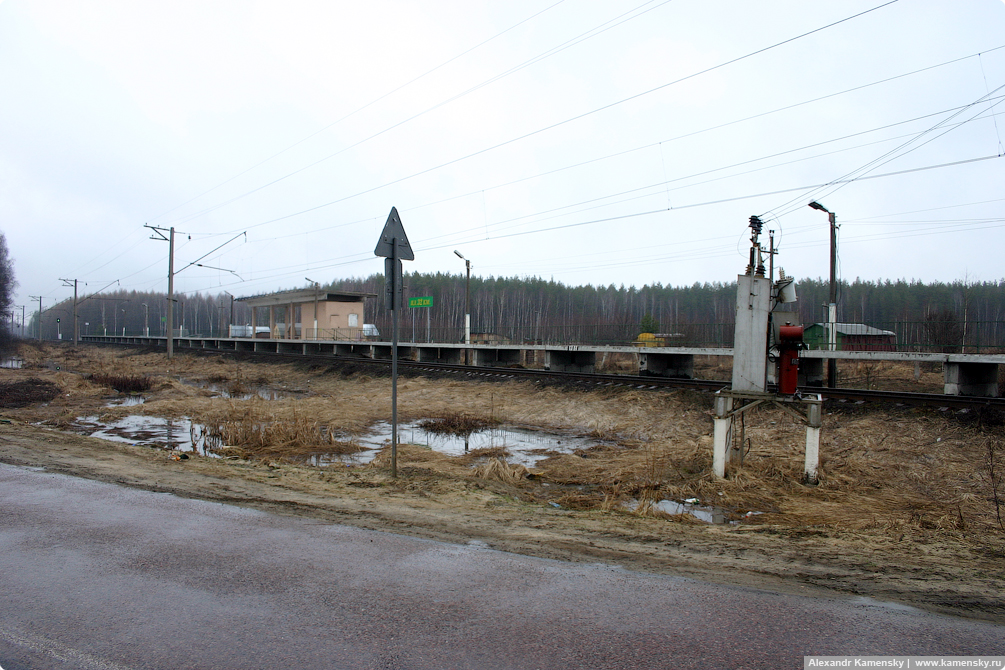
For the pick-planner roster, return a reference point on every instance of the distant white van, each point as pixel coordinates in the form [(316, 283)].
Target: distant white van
[(245, 331), (370, 331)]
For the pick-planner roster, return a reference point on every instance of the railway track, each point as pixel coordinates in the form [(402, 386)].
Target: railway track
[(842, 395)]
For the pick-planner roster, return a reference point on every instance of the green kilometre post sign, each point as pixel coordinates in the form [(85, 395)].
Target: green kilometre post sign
[(425, 301)]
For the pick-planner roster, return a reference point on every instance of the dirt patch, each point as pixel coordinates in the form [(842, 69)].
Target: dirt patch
[(27, 392), (906, 508)]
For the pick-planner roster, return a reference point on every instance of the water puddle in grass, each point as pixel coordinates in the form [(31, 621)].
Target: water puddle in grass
[(147, 431), (239, 391), (126, 401), (702, 513), (525, 446)]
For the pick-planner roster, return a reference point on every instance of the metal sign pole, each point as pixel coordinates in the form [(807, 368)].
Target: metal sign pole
[(393, 245), (395, 273)]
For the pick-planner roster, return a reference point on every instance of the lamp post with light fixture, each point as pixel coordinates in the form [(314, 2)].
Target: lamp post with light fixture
[(832, 306), (467, 307)]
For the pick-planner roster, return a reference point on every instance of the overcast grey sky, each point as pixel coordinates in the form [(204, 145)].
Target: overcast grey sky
[(589, 142)]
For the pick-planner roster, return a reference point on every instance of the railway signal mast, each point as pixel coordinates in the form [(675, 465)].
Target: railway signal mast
[(766, 341)]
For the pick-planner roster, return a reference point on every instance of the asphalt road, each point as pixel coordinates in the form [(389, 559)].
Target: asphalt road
[(103, 577)]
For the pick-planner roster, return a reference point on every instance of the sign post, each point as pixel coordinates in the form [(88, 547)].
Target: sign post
[(394, 247), (424, 301)]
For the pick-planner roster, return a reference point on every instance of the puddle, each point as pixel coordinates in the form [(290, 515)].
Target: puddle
[(525, 446), (126, 401), (148, 431), (706, 514), (238, 391), (12, 363)]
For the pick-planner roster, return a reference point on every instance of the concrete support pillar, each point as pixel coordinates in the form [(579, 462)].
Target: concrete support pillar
[(666, 365), (811, 372), (814, 420), (721, 433), (272, 320), (254, 322), (975, 379)]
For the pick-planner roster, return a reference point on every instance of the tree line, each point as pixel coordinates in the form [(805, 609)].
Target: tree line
[(542, 309)]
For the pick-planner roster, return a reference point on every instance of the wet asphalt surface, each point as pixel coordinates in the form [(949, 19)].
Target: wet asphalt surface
[(103, 577)]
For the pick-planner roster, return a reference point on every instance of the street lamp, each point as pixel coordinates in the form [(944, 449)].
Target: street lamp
[(146, 320), (832, 306), (123, 322), (467, 307)]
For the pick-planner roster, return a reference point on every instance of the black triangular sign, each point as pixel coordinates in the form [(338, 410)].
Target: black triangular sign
[(394, 230)]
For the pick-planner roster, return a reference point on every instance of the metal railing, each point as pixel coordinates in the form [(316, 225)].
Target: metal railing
[(683, 335), (929, 336)]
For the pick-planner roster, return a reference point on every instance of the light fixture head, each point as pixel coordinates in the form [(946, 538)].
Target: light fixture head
[(817, 205), (460, 255)]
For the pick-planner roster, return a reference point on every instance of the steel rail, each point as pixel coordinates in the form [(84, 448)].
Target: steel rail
[(640, 382), (647, 382)]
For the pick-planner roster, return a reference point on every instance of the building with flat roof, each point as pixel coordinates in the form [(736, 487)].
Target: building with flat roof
[(309, 314)]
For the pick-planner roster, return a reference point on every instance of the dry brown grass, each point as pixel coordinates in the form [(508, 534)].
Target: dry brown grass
[(883, 471), (123, 383), (457, 424)]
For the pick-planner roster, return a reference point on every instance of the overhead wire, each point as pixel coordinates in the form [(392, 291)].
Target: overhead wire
[(361, 108), (457, 96), (708, 129), (570, 119), (889, 156), (283, 271), (605, 199), (874, 176), (808, 146)]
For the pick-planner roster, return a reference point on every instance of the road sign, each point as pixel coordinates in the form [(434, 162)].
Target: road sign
[(393, 230), (394, 247), (425, 301)]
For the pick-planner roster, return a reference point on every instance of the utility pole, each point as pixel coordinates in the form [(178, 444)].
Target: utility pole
[(39, 298), (832, 306), (170, 297), (76, 328), (159, 232), (146, 319), (467, 308)]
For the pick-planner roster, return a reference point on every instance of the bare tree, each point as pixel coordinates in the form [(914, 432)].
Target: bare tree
[(945, 334), (7, 286)]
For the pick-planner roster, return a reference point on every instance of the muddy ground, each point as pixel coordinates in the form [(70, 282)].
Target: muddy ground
[(905, 509)]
